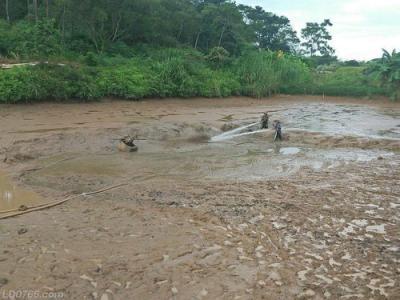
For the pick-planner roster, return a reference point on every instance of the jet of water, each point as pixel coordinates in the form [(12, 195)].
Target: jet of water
[(241, 131)]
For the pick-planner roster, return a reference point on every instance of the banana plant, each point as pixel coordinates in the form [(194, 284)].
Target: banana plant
[(388, 71)]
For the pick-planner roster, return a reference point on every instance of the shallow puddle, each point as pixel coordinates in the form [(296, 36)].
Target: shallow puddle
[(12, 196), (93, 165), (290, 150)]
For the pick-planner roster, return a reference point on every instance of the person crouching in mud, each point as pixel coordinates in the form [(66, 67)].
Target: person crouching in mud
[(278, 130), (264, 121), (127, 143)]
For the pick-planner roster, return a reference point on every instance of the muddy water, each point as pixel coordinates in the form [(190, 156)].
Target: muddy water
[(12, 196), (343, 119), (246, 153), (250, 158)]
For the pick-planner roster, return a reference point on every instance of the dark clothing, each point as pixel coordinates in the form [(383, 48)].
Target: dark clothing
[(278, 131), (129, 141), (264, 121)]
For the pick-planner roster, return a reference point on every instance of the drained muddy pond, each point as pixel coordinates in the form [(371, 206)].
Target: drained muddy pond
[(209, 197)]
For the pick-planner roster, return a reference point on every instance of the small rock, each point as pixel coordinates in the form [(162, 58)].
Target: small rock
[(228, 243), (261, 283), (275, 265), (161, 282), (274, 276), (92, 282), (174, 290), (260, 248), (242, 257), (104, 297), (212, 249), (307, 293), (203, 293), (278, 225), (256, 219), (22, 231), (243, 226)]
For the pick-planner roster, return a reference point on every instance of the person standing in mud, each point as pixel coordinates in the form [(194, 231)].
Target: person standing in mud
[(278, 130), (265, 121)]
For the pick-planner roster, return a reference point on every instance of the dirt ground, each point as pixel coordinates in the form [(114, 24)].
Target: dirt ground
[(314, 217)]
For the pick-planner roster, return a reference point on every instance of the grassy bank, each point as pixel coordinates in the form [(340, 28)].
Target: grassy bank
[(179, 73)]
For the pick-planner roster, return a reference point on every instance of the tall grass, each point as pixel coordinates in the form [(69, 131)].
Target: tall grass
[(346, 81), (180, 73), (47, 82), (265, 73)]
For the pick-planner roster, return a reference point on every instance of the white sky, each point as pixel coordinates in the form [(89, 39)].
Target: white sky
[(361, 28)]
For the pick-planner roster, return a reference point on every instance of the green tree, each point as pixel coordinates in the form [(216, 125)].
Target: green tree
[(316, 39), (271, 32), (388, 70), (220, 25), (34, 39)]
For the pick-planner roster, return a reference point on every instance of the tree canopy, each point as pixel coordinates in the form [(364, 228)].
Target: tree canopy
[(110, 25), (316, 39)]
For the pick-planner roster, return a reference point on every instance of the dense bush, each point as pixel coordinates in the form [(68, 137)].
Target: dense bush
[(181, 73), (186, 73), (43, 82), (345, 81), (387, 71), (18, 84), (130, 81), (30, 40)]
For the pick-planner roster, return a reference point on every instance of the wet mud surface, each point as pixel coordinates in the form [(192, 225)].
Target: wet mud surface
[(210, 209)]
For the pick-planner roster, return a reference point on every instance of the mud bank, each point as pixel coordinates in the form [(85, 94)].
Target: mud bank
[(315, 216)]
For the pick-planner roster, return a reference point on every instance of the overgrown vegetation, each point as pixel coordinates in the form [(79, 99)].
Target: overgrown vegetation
[(388, 71), (159, 48)]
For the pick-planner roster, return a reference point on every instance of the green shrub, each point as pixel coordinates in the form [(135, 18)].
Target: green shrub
[(131, 81), (47, 82), (346, 81), (173, 78), (35, 39), (217, 84), (180, 73), (218, 57), (18, 84)]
